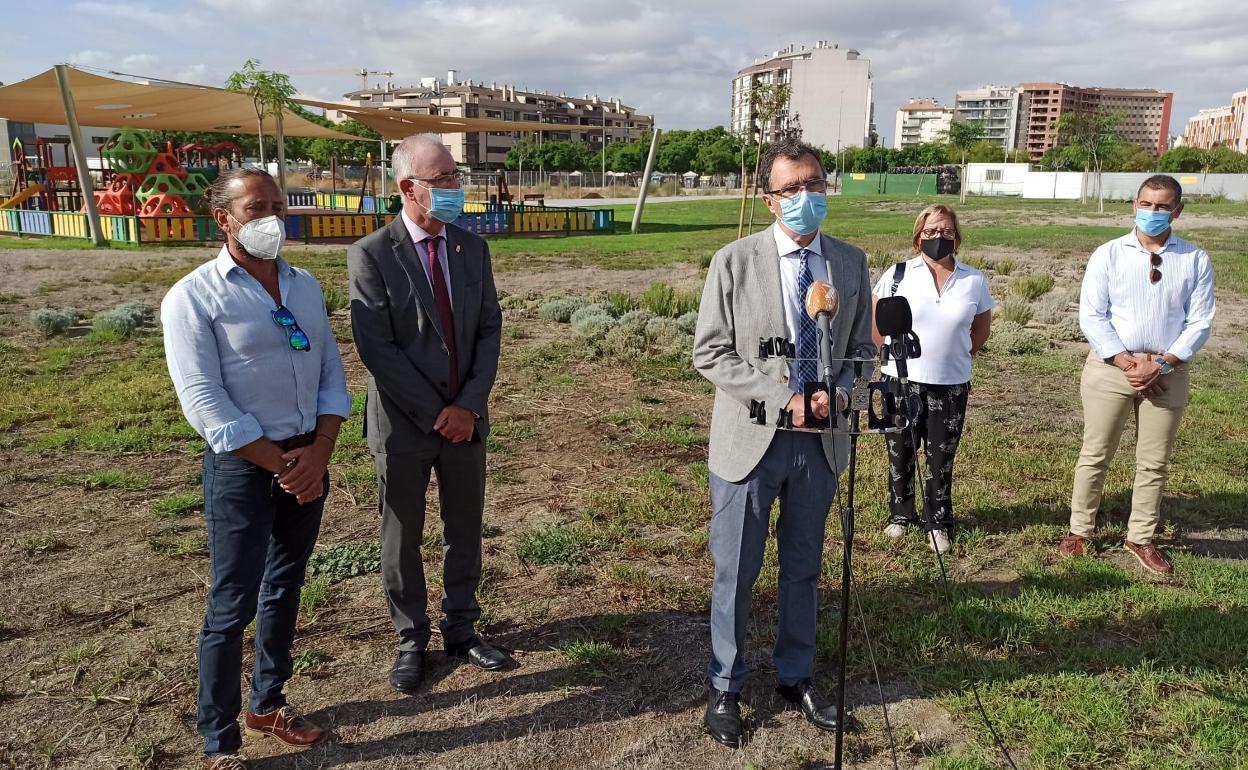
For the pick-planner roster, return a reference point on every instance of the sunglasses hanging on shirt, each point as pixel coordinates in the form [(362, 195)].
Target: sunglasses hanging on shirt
[(298, 337), (1154, 275)]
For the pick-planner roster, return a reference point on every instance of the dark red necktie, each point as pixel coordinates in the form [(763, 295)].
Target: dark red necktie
[(442, 295)]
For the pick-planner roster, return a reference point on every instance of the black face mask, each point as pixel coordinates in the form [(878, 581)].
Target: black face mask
[(937, 248)]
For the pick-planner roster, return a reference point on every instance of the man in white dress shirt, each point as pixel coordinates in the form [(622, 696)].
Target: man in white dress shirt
[(1146, 308)]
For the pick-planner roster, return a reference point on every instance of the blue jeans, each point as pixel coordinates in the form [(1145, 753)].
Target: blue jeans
[(795, 469), (259, 541)]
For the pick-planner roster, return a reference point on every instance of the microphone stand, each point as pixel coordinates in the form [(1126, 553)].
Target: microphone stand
[(847, 537)]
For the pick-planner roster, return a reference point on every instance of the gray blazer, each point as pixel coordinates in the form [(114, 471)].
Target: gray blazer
[(398, 335), (741, 304)]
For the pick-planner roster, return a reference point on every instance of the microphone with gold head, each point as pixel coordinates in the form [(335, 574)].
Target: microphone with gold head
[(822, 305)]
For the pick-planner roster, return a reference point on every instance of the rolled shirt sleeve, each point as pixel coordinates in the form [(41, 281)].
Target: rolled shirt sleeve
[(1198, 313), (195, 368)]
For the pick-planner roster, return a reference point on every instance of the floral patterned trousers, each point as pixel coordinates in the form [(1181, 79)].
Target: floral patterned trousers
[(938, 426)]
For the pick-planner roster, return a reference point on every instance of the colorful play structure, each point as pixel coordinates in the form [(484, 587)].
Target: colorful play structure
[(148, 194)]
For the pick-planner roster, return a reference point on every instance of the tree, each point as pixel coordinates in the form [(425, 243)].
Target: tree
[(321, 151), (269, 92), (566, 156), (1130, 157), (962, 136), (875, 160), (1095, 134), (768, 101), (677, 152), (922, 155), (522, 153), (1184, 160)]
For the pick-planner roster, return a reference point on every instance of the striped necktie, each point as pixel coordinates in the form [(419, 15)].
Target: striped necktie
[(807, 331), (446, 318)]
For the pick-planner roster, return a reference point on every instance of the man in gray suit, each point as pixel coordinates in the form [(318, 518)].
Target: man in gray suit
[(426, 321), (756, 289)]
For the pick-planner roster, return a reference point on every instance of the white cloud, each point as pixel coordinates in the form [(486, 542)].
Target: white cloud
[(673, 59)]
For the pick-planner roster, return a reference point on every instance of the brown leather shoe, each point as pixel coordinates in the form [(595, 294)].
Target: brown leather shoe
[(225, 762), (1073, 545), (285, 724), (1149, 557)]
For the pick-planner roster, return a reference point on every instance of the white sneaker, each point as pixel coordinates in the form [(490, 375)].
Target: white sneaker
[(938, 541), (895, 530)]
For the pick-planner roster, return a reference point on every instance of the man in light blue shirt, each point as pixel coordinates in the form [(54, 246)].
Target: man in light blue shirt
[(259, 377), (1146, 307)]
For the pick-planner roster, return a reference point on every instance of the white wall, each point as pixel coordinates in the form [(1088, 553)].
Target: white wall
[(832, 98), (1053, 185), (1009, 178)]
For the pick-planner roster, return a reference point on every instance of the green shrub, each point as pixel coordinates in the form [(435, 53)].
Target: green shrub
[(1015, 310), (663, 300), (51, 322), (561, 309), (1013, 339), (1032, 286), (666, 335), (530, 300), (688, 322), (140, 312), (335, 299), (1068, 330), (346, 560), (1003, 266), (1051, 308), (622, 301), (975, 261), (626, 340), (113, 323), (594, 328), (598, 309), (637, 319)]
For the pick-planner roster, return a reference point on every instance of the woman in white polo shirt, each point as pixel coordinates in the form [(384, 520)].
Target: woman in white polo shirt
[(952, 311)]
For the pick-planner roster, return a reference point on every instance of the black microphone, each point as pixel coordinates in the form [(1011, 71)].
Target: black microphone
[(893, 317)]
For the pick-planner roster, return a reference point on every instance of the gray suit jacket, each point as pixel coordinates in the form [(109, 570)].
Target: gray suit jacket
[(741, 304), (398, 335)]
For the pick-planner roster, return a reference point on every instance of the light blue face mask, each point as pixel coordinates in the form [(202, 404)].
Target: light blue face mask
[(446, 204), (804, 212), (1152, 223)]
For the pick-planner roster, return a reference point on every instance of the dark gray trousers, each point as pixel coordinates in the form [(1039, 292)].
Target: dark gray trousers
[(402, 484)]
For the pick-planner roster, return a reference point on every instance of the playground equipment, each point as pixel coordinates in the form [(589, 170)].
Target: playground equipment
[(22, 196), (149, 182)]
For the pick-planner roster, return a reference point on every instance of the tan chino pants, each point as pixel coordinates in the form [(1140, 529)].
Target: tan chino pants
[(1108, 400)]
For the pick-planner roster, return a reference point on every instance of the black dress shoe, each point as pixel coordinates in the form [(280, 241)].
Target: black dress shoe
[(723, 717), (408, 671), (480, 654), (819, 712)]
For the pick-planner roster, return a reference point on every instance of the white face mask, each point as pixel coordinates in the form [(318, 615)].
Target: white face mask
[(262, 238)]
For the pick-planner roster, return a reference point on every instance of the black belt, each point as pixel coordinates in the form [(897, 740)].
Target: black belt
[(294, 442)]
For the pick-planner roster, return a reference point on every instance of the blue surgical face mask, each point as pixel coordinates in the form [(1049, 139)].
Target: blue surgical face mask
[(1152, 223), (804, 212), (445, 204)]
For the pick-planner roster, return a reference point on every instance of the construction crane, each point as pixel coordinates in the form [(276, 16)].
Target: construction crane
[(364, 73)]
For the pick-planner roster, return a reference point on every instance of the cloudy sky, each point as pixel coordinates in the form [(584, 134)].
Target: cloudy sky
[(672, 58)]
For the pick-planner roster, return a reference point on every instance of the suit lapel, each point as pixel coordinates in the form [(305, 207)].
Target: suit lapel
[(455, 264), (409, 259), (772, 294)]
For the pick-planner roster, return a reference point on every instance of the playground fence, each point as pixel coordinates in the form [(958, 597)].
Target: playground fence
[(308, 228)]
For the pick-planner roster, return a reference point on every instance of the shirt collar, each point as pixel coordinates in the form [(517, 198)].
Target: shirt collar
[(225, 263), (1131, 239), (786, 245), (416, 231)]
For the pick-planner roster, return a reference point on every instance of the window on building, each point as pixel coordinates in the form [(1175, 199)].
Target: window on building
[(992, 175)]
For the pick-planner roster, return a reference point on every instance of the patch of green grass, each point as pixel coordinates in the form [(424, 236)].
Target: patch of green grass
[(344, 560), (9, 298), (335, 298), (308, 662), (555, 544), (79, 654), (116, 479), (315, 595), (178, 504), (1016, 310), (595, 659), (144, 754), (175, 542), (507, 432), (35, 545)]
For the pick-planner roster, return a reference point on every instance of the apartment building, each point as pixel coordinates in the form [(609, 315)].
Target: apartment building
[(1225, 126), (830, 97), (921, 121), (589, 119), (996, 107), (1144, 113)]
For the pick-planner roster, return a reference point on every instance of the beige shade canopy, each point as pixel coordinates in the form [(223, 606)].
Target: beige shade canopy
[(102, 101)]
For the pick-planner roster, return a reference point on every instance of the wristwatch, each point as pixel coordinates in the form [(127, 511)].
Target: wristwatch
[(1166, 366)]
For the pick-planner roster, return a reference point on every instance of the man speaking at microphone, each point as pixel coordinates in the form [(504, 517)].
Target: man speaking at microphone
[(756, 289)]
